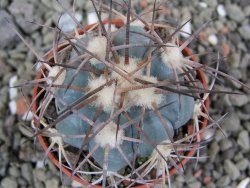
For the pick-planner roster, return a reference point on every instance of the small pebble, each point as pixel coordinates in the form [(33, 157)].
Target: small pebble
[(226, 49), (187, 30), (39, 174), (195, 184), (225, 30), (213, 151), (13, 91), (9, 182), (52, 183), (239, 100), (242, 164), (221, 10), (223, 181), (244, 31), (207, 180), (39, 164), (27, 116), (243, 140), (212, 39), (231, 169), (203, 4), (235, 12), (14, 171), (244, 183), (203, 36), (231, 122), (225, 144), (26, 170)]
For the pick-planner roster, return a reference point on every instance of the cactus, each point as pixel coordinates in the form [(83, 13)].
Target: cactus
[(122, 94), (129, 117)]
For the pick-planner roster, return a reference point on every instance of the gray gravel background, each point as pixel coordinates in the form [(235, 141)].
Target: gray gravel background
[(21, 161)]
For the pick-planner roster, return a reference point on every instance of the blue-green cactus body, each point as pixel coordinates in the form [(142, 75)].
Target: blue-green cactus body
[(134, 38), (70, 96), (75, 125), (179, 109), (160, 70), (72, 125), (116, 160), (155, 133)]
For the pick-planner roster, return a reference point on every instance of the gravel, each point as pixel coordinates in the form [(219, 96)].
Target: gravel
[(225, 144), (223, 181), (231, 123), (243, 140), (8, 36), (235, 12), (9, 182), (239, 100), (52, 183), (242, 164), (244, 32), (26, 170), (231, 169), (228, 165)]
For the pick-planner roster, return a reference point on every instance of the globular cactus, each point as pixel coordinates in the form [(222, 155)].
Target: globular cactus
[(122, 94)]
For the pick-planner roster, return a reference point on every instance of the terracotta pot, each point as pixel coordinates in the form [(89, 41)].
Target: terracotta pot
[(54, 159)]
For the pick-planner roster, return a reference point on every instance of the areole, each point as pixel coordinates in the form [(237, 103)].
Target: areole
[(54, 159)]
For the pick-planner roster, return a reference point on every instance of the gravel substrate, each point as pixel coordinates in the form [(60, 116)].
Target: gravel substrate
[(227, 165)]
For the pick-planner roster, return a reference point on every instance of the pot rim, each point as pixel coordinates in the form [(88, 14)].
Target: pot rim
[(54, 160)]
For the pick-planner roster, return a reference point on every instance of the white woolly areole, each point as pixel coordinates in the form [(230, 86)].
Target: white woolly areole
[(53, 73), (98, 47), (146, 97), (172, 57), (164, 148), (109, 136), (105, 96), (127, 68)]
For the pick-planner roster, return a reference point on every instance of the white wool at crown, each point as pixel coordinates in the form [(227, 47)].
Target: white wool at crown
[(105, 96), (97, 46), (147, 96), (127, 68), (109, 136)]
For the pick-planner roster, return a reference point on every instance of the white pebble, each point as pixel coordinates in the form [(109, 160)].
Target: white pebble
[(212, 39), (221, 10), (244, 183), (28, 116), (187, 29), (67, 24), (209, 134), (12, 107), (39, 164), (12, 91), (203, 5), (92, 18)]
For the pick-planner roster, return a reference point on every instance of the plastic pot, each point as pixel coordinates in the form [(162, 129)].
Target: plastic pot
[(43, 140)]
